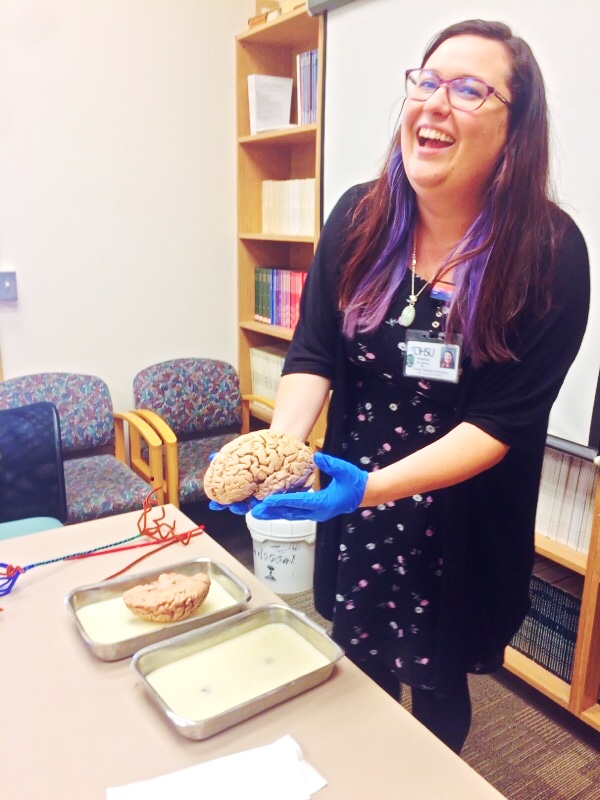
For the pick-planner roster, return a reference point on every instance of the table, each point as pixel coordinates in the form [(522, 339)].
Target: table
[(72, 725)]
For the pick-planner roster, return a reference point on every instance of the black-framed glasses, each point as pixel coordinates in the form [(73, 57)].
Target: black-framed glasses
[(464, 94)]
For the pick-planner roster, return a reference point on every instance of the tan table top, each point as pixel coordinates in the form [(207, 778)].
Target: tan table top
[(72, 725)]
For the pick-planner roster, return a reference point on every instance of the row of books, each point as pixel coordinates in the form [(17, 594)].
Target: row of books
[(277, 295), (307, 66), (566, 500), (266, 364), (549, 630), (288, 207)]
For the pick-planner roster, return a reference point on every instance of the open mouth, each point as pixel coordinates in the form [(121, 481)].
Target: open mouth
[(436, 140)]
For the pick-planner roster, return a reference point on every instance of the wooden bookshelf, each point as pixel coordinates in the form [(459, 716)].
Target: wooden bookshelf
[(286, 154), (580, 696)]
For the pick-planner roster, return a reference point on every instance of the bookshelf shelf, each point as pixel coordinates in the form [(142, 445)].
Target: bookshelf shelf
[(592, 717), (286, 31), (274, 331), (538, 677), (302, 134), (560, 553), (278, 186), (276, 237)]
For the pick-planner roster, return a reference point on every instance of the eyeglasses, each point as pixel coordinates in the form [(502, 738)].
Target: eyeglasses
[(464, 94)]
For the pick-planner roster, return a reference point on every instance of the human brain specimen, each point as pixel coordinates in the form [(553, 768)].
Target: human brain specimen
[(258, 464), (170, 598)]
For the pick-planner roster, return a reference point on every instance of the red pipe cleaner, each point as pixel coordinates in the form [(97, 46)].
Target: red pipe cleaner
[(157, 530)]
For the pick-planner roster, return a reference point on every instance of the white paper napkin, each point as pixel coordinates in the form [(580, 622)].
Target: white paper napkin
[(274, 772)]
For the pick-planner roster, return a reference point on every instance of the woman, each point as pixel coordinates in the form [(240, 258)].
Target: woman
[(425, 549)]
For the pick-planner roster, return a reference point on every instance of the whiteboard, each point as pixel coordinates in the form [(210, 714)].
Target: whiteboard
[(370, 43)]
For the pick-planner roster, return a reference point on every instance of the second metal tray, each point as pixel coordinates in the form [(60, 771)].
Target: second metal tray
[(209, 679)]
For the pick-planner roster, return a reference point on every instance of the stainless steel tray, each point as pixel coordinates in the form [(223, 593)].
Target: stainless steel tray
[(223, 678), (112, 632)]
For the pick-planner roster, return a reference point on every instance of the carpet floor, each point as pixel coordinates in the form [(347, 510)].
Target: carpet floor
[(522, 743)]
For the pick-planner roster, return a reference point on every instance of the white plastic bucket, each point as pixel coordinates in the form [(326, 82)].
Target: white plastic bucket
[(284, 553)]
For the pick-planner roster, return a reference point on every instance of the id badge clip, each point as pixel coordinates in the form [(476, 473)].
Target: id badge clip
[(429, 356)]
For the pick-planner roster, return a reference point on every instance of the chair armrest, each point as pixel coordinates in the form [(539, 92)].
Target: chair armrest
[(140, 432), (253, 398), (162, 428), (169, 441)]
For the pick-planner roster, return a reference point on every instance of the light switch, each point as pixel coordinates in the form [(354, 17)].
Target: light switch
[(8, 286)]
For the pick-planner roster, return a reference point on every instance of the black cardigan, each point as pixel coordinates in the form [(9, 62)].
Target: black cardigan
[(489, 520)]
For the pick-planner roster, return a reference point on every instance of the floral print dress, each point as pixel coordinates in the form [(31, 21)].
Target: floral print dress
[(390, 559)]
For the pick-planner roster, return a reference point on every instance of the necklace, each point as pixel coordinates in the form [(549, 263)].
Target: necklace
[(407, 317)]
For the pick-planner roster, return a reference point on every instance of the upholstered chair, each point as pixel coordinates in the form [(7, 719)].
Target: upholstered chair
[(32, 478), (196, 407), (99, 481)]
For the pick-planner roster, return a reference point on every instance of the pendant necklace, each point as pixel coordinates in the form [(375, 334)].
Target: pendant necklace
[(407, 317)]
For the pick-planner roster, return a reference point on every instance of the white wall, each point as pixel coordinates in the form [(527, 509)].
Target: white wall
[(117, 183), (364, 97)]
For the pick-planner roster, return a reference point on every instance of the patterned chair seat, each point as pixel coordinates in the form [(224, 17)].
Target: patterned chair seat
[(193, 463), (97, 485), (195, 406), (98, 480)]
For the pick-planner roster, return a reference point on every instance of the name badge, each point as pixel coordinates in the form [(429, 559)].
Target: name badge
[(435, 358)]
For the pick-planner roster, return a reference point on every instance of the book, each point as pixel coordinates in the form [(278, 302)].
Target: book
[(306, 87), (546, 490), (549, 630), (258, 19), (585, 503), (566, 499), (269, 102), (557, 533), (565, 520), (288, 207), (266, 11), (266, 364), (277, 293)]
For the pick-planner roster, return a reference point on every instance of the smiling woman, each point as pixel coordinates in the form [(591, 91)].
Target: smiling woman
[(454, 107), (431, 464)]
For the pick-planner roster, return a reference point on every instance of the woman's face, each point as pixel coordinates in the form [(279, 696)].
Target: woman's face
[(458, 155)]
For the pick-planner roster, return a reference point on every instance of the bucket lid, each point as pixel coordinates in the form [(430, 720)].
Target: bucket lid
[(281, 528)]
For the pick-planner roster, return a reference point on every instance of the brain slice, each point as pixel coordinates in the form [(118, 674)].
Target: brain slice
[(258, 464)]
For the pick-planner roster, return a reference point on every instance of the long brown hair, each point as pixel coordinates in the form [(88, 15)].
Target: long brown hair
[(504, 261)]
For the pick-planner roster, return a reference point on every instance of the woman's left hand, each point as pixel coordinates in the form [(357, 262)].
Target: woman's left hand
[(342, 496), (241, 508)]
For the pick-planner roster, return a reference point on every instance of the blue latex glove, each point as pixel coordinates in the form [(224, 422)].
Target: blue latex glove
[(241, 508), (342, 496)]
